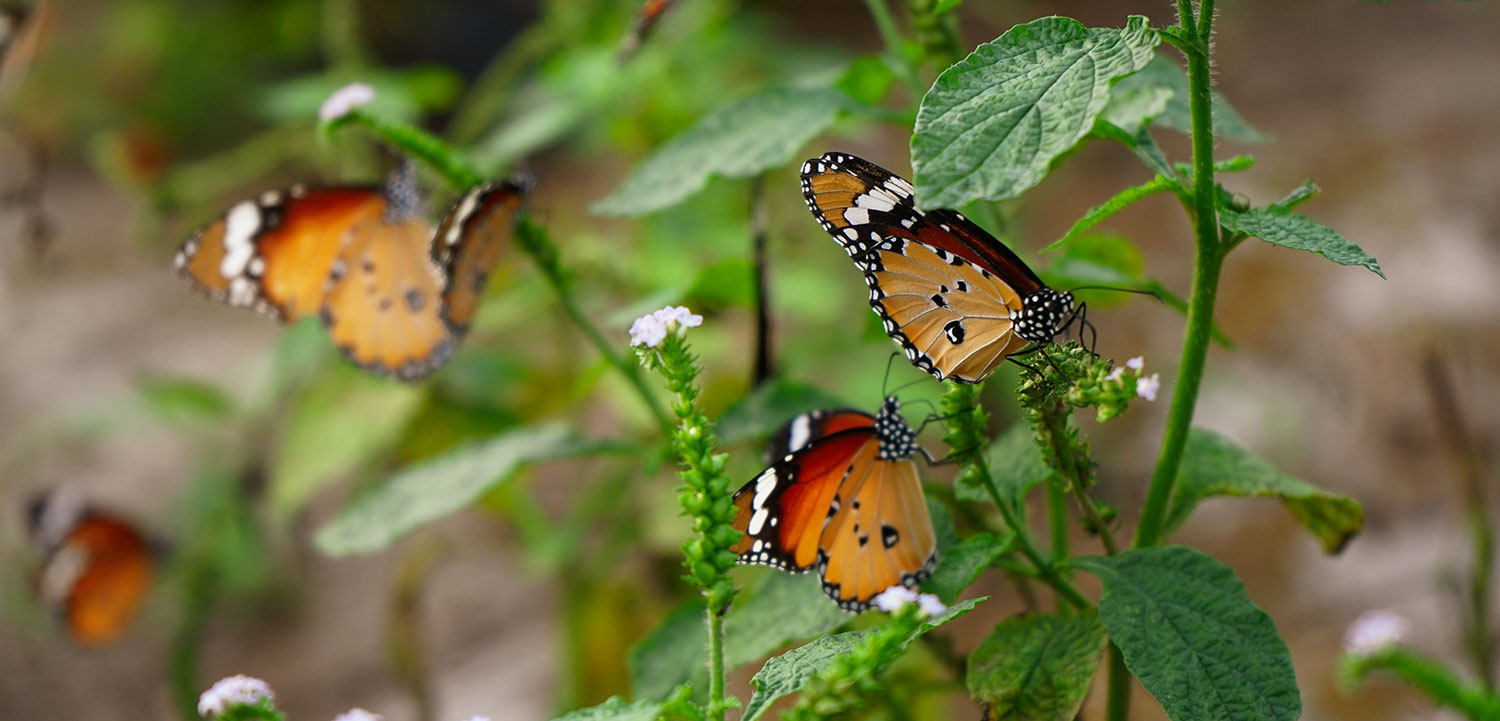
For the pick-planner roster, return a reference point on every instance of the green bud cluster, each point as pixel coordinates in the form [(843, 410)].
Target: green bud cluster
[(855, 676)]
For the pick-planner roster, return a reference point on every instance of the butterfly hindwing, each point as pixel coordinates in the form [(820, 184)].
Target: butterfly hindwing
[(97, 568), (468, 243), (880, 537)]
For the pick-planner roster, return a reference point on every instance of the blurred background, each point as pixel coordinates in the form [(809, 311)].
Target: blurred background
[(124, 125)]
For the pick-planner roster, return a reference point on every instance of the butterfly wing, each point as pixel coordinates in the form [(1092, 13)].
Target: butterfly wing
[(802, 430), (880, 536), (275, 252), (945, 290), (98, 578), (383, 305), (468, 243), (783, 510)]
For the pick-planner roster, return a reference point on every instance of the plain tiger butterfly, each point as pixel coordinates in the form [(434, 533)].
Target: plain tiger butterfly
[(96, 570), (394, 294), (844, 497), (956, 299)]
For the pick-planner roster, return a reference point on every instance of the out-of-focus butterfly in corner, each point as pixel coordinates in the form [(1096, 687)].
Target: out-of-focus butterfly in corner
[(645, 21), (395, 295), (97, 568), (957, 300), (843, 496)]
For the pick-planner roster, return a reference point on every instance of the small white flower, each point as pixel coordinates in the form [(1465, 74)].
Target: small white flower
[(344, 100), (1374, 630), (358, 714), (1136, 363), (931, 605), (1147, 386), (239, 690), (479, 718), (892, 599), (1116, 374), (647, 330), (680, 315)]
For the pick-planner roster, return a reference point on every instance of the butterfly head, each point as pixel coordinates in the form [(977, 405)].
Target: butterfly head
[(897, 439), (1044, 314)]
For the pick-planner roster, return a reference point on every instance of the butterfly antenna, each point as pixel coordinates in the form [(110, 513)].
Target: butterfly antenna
[(1137, 291), (889, 362)]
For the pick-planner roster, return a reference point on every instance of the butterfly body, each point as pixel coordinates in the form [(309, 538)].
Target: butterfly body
[(97, 568), (956, 299), (844, 497), (395, 295)]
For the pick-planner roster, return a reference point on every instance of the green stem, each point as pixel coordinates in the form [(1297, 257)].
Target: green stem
[(199, 588), (1118, 708), (1208, 262), (716, 705), (1046, 570), (1057, 521), (413, 141), (535, 243), (340, 26), (1432, 678), (895, 45)]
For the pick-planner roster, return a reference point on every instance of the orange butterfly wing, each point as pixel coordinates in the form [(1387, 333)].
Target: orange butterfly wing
[(99, 578), (881, 536), (468, 243)]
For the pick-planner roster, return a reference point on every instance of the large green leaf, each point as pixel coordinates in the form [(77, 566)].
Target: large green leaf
[(960, 565), (744, 139), (615, 709), (1213, 465), (1015, 466), (992, 124), (439, 486), (1037, 667), (780, 609), (789, 673), (1293, 230), (1192, 636), (184, 401), (1163, 75)]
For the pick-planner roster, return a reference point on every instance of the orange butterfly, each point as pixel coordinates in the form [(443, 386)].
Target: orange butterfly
[(395, 295), (97, 568), (845, 498)]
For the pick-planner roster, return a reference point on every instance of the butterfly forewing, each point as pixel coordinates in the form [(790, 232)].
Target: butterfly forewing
[(810, 426), (468, 244), (880, 537), (109, 591)]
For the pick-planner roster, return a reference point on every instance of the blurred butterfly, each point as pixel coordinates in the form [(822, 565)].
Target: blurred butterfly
[(646, 18), (96, 568), (394, 294), (843, 497), (957, 300)]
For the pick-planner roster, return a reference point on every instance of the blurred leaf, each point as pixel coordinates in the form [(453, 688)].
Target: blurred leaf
[(1192, 636), (407, 94), (1133, 107), (1015, 466), (959, 566), (1141, 143), (729, 282), (1291, 230), (789, 673), (1119, 202), (184, 401), (1300, 194), (333, 428), (1037, 667), (1162, 73), (945, 6), (767, 408), (437, 487), (867, 80), (302, 350), (746, 138), (981, 131), (1213, 465), (615, 709), (671, 654)]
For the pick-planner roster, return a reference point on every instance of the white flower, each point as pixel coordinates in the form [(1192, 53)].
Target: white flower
[(1136, 363), (650, 329), (1374, 630), (345, 99), (931, 605), (240, 690), (479, 718), (1147, 386), (358, 714), (892, 599), (1116, 374)]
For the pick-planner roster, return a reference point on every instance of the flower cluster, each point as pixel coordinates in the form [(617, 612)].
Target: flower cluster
[(358, 714), (344, 100), (894, 598), (649, 330), (235, 692), (1375, 630)]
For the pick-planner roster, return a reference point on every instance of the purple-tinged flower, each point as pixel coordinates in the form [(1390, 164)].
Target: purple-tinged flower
[(358, 714), (227, 693), (892, 599), (931, 605), (1374, 630), (1136, 364), (344, 100), (1147, 386), (650, 329), (1116, 374)]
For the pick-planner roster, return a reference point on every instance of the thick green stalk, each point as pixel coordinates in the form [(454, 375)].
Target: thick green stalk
[(1438, 682), (1208, 261), (1118, 703), (716, 705)]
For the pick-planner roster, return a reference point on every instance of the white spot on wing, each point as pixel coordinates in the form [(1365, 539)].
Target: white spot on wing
[(856, 216), (801, 429), (240, 225)]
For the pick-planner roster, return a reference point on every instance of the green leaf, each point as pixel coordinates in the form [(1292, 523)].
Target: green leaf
[(1015, 466), (1164, 74), (1213, 465), (747, 138), (615, 709), (439, 486), (671, 654), (1119, 202), (1192, 636), (945, 6), (1037, 667), (1132, 107), (960, 565), (1142, 144), (769, 407), (1300, 194), (184, 401), (1291, 230), (867, 80), (992, 124), (789, 673)]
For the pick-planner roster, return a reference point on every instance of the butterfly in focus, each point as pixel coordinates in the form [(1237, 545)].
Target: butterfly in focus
[(96, 568), (843, 497), (956, 299), (395, 295)]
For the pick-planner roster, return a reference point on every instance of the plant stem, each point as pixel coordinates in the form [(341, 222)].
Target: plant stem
[(1432, 678), (414, 141), (1207, 263), (764, 367), (895, 45), (1046, 570), (716, 705), (1057, 521), (1118, 703)]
